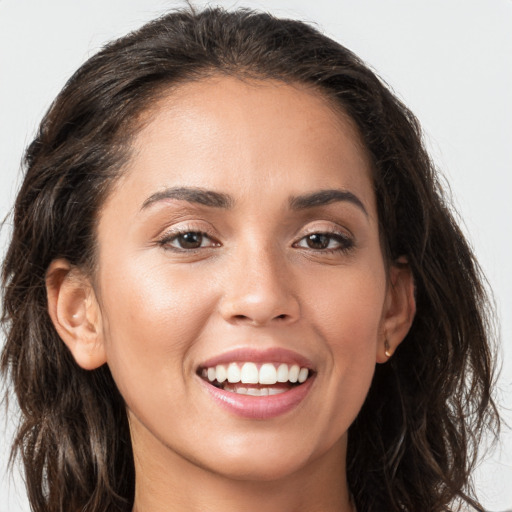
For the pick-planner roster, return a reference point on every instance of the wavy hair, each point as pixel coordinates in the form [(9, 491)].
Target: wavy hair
[(415, 441)]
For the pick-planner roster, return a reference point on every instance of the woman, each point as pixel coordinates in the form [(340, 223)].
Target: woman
[(234, 283)]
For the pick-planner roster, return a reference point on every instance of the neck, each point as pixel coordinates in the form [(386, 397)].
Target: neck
[(169, 482)]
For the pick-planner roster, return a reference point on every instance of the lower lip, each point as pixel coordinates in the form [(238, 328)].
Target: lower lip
[(260, 407)]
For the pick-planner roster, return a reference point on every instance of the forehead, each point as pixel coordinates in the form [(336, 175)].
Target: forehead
[(225, 133)]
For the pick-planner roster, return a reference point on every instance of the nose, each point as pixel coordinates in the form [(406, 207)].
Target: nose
[(259, 290)]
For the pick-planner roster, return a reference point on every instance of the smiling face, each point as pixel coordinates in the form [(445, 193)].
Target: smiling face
[(242, 244)]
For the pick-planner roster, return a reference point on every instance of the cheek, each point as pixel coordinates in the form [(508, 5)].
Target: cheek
[(347, 316), (348, 307), (152, 315)]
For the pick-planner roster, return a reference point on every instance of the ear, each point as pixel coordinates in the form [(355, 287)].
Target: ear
[(399, 309), (75, 313)]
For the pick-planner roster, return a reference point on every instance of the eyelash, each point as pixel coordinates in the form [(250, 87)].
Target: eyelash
[(344, 242), (168, 238)]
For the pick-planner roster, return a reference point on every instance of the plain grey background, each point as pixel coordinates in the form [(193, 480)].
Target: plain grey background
[(449, 60)]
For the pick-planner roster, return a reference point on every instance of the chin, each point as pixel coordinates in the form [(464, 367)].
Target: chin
[(273, 460), (266, 468)]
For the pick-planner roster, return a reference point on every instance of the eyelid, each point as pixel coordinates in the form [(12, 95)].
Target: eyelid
[(174, 231), (346, 238), (329, 228)]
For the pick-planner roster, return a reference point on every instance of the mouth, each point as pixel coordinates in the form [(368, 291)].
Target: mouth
[(258, 384), (258, 379)]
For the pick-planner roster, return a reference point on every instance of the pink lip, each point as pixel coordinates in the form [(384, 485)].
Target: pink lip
[(259, 407), (271, 355)]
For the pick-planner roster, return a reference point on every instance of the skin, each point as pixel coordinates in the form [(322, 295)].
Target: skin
[(154, 312)]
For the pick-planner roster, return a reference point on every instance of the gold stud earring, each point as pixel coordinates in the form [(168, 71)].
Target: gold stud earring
[(387, 349)]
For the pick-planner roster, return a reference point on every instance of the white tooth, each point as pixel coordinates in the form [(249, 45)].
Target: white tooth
[(204, 373), (253, 392), (211, 374), (249, 373), (294, 373), (275, 391), (264, 392), (233, 373), (241, 391), (303, 375), (282, 373), (220, 371), (268, 374)]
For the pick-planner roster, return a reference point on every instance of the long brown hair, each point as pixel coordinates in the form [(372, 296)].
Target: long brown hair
[(415, 441)]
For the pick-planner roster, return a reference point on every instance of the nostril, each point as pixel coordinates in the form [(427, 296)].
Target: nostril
[(246, 318)]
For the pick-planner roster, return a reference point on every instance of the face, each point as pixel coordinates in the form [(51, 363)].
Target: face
[(242, 244)]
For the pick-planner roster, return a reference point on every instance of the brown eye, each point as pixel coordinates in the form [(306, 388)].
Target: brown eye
[(318, 241), (326, 242), (188, 240)]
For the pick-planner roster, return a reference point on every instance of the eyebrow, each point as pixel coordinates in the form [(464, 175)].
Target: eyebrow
[(191, 195), (221, 200), (325, 197)]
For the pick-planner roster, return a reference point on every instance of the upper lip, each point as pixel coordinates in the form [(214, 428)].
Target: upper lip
[(270, 355)]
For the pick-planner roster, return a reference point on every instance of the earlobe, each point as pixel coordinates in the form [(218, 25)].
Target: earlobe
[(399, 310), (75, 313)]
